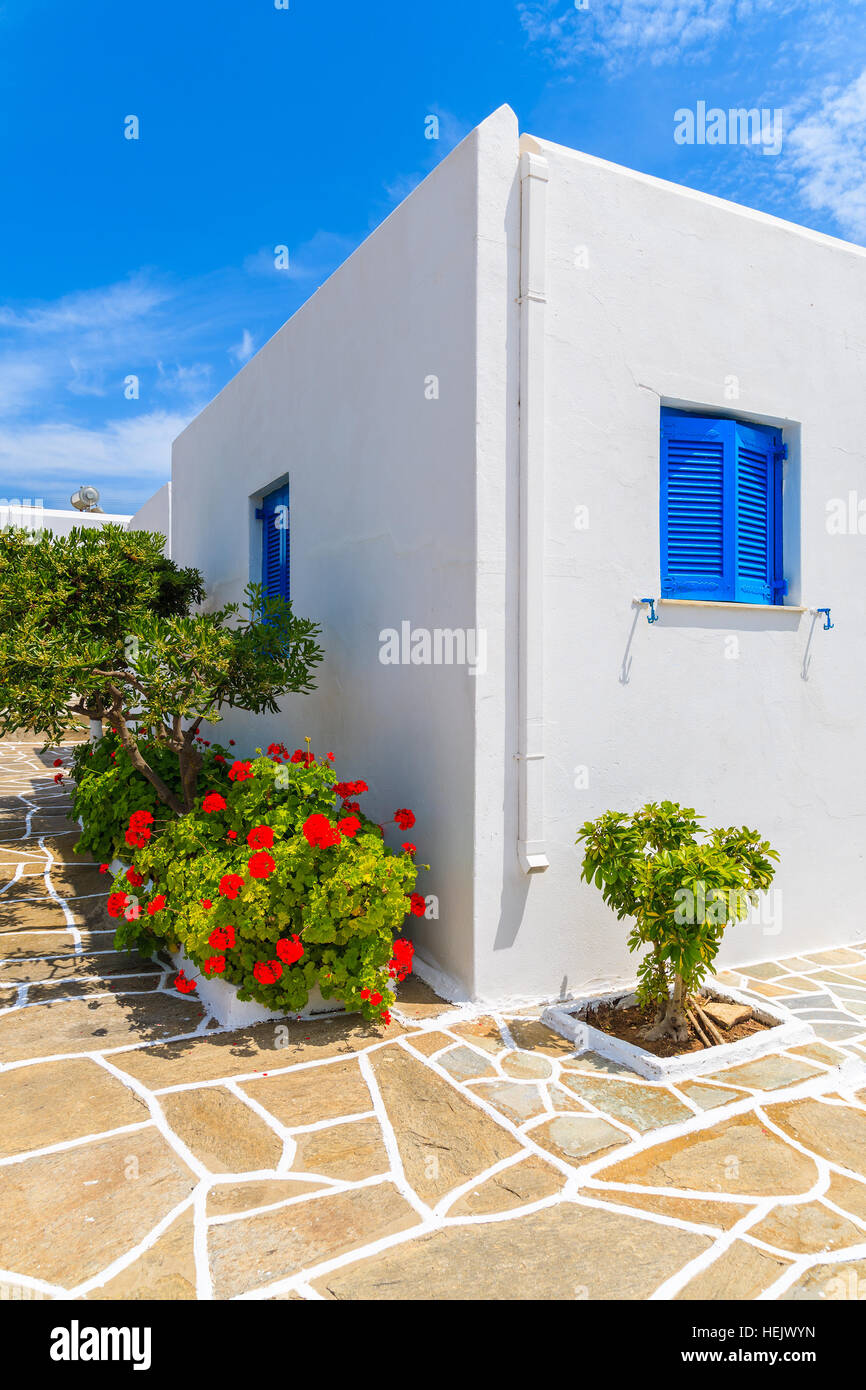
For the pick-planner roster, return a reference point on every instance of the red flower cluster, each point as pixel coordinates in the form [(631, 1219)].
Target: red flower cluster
[(183, 984), (58, 762), (405, 819), (213, 802), (232, 835), (260, 865), (222, 938), (301, 756), (373, 998), (277, 750), (289, 949), (103, 868), (133, 877), (267, 972), (156, 904), (260, 837), (59, 777), (349, 826), (139, 833), (319, 832), (417, 905), (410, 849), (218, 758), (240, 772), (401, 964), (346, 789), (215, 965), (231, 885), (206, 904), (116, 904)]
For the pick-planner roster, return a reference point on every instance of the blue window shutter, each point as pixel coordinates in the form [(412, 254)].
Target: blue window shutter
[(275, 543), (697, 506), (759, 515)]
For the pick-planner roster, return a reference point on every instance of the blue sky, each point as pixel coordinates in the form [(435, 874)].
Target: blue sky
[(304, 127)]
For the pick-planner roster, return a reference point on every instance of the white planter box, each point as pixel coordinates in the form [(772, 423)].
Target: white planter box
[(222, 999), (789, 1032)]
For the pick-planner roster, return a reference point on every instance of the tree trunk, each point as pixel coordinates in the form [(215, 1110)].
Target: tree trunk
[(673, 1022), (190, 764), (163, 791)]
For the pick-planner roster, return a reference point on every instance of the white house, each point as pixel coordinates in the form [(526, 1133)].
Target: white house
[(34, 517), (470, 424)]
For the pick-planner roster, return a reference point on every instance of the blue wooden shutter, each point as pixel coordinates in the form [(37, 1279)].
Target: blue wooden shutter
[(697, 507), (758, 485), (275, 543)]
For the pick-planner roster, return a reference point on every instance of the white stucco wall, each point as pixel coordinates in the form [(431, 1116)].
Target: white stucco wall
[(680, 293), (405, 508), (55, 520), (155, 515), (383, 515)]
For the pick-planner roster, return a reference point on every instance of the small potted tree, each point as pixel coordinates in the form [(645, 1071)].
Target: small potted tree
[(681, 891)]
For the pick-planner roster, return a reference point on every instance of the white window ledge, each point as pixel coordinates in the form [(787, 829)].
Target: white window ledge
[(716, 603)]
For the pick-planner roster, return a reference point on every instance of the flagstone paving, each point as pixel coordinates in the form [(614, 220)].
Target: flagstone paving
[(460, 1153)]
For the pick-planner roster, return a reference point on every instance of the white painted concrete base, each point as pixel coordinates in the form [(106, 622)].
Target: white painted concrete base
[(788, 1032), (221, 998)]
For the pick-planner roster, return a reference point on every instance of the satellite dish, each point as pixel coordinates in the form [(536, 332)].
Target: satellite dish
[(86, 499)]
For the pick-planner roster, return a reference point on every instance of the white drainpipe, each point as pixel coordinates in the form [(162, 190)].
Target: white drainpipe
[(530, 821)]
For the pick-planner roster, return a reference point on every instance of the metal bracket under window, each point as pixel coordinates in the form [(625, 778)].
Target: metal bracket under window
[(827, 623), (652, 616)]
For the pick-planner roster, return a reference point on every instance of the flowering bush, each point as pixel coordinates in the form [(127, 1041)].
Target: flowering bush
[(109, 789), (271, 886)]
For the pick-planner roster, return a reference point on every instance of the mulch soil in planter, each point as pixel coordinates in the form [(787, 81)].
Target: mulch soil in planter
[(630, 1024)]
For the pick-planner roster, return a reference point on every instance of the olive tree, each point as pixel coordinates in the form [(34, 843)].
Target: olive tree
[(100, 623)]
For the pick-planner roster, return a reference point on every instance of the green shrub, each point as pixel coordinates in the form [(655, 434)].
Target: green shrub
[(266, 868), (109, 788), (681, 891)]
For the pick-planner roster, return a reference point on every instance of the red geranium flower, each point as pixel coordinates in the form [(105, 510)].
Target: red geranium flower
[(239, 772), (116, 904), (231, 742), (231, 885), (346, 789), (183, 984), (410, 849), (289, 949), (260, 865), (349, 827), (405, 819), (139, 819), (103, 868), (351, 805), (215, 965), (319, 832), (375, 998), (331, 756), (156, 905), (401, 963), (206, 904), (133, 877), (213, 802), (261, 837), (58, 762), (385, 1016), (232, 835), (301, 756), (267, 972), (222, 938), (365, 994), (417, 905), (58, 777), (218, 758)]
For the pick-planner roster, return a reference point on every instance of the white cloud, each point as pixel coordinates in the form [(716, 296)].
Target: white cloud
[(827, 150), (126, 459), (660, 31), (243, 351)]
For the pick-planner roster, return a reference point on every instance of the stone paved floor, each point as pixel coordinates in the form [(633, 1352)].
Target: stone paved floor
[(147, 1153)]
